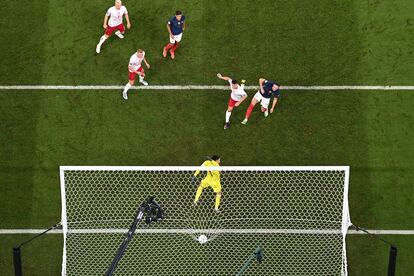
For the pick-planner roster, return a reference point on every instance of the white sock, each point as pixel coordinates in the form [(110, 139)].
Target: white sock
[(102, 39), (228, 114), (127, 86), (141, 78)]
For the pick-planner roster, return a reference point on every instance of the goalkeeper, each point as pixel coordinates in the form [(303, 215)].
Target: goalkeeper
[(212, 180)]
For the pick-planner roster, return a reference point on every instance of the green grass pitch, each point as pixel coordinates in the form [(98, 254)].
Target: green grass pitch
[(349, 42)]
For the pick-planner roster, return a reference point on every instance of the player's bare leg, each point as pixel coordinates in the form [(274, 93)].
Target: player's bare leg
[(249, 110), (101, 41), (228, 114), (127, 87)]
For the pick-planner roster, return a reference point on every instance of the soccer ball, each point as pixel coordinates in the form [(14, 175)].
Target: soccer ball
[(202, 239)]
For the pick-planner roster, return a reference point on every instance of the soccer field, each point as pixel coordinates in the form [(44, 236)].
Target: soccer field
[(295, 43)]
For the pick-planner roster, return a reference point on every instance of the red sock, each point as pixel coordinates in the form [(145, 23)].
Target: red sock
[(249, 111), (169, 46), (175, 47)]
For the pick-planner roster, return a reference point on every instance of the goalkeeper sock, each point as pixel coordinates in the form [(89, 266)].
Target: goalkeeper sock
[(198, 194), (228, 114), (127, 86), (218, 198), (249, 111)]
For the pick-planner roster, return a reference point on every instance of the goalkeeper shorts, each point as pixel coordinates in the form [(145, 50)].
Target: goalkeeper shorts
[(216, 186)]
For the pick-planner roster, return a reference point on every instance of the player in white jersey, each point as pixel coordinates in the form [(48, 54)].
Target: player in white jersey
[(115, 15), (135, 68), (237, 96)]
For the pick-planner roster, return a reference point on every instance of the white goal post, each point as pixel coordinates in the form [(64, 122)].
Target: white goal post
[(297, 215)]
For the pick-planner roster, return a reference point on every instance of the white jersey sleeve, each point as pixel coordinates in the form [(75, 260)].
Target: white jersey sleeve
[(108, 12)]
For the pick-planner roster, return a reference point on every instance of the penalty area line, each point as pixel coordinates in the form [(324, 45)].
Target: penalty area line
[(208, 231), (203, 87)]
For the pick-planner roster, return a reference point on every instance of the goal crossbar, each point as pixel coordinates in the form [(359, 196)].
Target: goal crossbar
[(193, 168)]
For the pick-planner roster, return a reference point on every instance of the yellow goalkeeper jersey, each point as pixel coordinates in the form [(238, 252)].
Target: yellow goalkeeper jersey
[(212, 176)]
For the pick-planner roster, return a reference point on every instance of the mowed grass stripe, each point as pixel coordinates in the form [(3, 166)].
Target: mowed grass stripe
[(95, 128)]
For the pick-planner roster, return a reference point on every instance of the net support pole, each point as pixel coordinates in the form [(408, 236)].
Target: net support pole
[(17, 261), (17, 257), (392, 261), (257, 255)]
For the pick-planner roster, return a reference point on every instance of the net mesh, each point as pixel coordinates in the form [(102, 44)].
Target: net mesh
[(298, 217)]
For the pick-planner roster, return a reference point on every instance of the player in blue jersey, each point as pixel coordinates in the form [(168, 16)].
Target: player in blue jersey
[(267, 89), (175, 27)]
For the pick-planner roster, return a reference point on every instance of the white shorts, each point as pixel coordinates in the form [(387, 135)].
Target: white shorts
[(263, 101), (177, 38)]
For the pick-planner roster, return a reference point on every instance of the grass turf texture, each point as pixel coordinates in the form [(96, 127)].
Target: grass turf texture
[(348, 42)]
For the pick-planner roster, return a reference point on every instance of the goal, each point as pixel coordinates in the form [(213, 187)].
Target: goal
[(297, 216)]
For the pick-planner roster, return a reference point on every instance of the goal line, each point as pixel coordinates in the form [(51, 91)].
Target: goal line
[(203, 87), (207, 231)]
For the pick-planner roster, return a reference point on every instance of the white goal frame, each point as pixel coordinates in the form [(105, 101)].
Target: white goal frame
[(346, 222)]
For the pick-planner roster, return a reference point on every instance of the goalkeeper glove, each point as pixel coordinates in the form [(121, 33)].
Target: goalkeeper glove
[(243, 81)]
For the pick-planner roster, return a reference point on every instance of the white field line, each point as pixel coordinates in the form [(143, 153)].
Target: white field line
[(207, 231), (199, 87)]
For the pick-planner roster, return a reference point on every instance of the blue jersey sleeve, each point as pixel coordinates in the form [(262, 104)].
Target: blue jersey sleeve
[(276, 93)]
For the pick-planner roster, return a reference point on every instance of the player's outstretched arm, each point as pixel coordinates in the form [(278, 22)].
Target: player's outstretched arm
[(261, 81), (146, 63), (198, 171), (220, 76), (105, 24), (128, 22), (169, 29)]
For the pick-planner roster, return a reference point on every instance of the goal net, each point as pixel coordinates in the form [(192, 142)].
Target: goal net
[(297, 216)]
